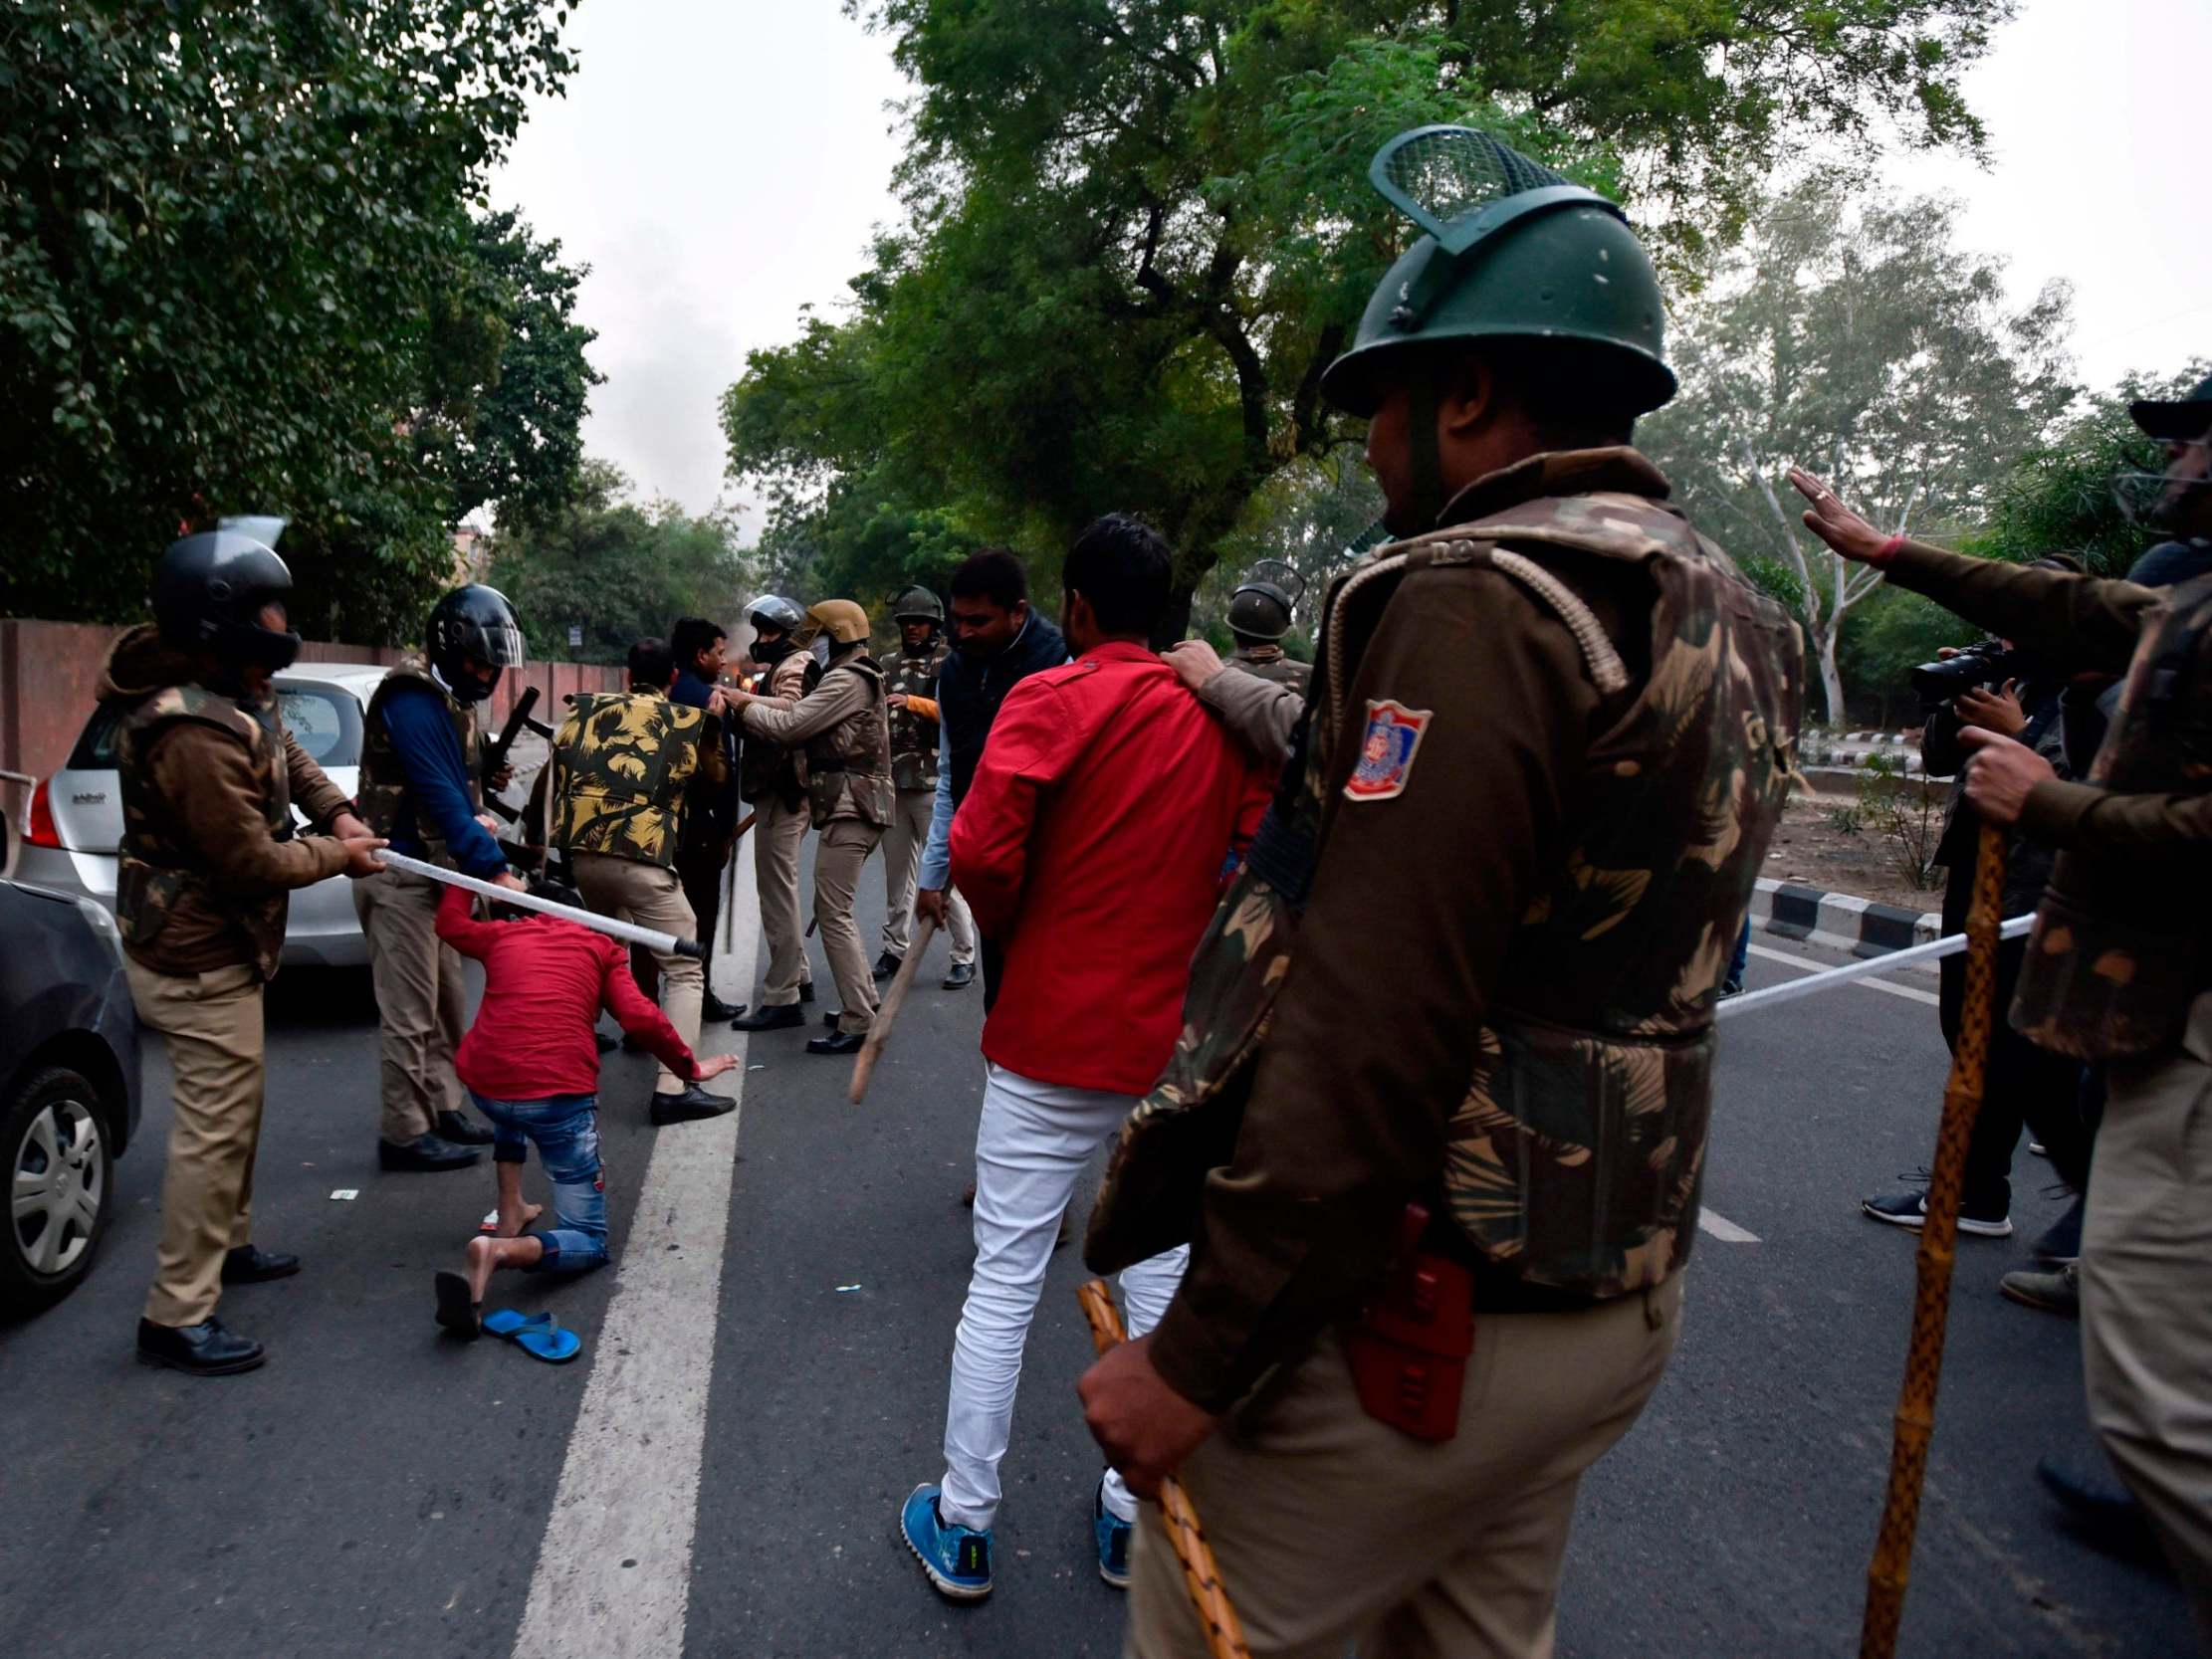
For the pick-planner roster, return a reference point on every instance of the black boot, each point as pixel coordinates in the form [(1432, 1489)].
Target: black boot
[(689, 1107), (203, 1349), (886, 966), (424, 1155), (711, 1007), (249, 1264), (771, 1019), (837, 1042), (959, 976), (462, 1130), (806, 991)]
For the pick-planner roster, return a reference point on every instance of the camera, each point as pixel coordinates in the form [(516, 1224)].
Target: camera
[(1989, 662)]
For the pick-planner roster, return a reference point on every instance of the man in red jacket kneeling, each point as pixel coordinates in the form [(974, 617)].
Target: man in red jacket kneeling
[(1091, 845)]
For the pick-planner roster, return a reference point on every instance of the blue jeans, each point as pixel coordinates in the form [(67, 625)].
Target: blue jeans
[(1739, 961), (565, 1130)]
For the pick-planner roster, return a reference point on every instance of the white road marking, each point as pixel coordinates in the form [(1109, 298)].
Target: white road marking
[(1723, 1229), (613, 1575), (1804, 966)]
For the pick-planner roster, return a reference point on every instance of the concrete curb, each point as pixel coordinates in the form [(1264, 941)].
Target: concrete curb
[(1839, 921)]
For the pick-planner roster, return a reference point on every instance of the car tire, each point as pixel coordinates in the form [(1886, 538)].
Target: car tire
[(53, 1129)]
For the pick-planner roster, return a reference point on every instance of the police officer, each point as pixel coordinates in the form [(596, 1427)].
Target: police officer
[(920, 615), (772, 781), (628, 768), (209, 777), (840, 722), (2119, 966), (421, 786), (1259, 616), (1551, 738)]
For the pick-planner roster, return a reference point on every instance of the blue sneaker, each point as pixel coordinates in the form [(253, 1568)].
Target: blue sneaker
[(1113, 1534), (957, 1558)]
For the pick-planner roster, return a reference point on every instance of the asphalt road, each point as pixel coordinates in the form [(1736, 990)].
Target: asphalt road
[(764, 1379)]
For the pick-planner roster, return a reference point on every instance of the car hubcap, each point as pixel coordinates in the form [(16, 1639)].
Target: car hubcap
[(60, 1184)]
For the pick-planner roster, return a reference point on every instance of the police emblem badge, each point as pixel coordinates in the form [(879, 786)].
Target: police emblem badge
[(1394, 733)]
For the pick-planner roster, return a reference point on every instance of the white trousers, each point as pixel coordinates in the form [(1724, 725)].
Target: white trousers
[(1031, 1147)]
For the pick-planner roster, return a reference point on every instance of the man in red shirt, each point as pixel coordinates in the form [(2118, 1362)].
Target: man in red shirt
[(1091, 846), (532, 1066)]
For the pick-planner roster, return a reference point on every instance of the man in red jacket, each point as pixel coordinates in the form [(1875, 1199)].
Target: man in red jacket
[(1091, 846)]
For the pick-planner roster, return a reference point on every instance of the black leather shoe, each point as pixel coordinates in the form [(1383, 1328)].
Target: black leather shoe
[(2100, 1511), (462, 1130), (689, 1107), (887, 964), (424, 1153), (604, 1043), (711, 1007), (771, 1019), (204, 1349), (837, 1042), (830, 1017), (806, 991), (249, 1264), (959, 976)]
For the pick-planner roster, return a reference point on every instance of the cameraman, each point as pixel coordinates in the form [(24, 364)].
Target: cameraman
[(2120, 966), (2025, 1084)]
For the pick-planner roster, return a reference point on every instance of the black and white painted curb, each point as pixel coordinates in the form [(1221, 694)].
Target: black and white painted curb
[(1838, 920)]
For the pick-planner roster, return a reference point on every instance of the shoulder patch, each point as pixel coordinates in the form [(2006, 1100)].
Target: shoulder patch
[(1387, 750)]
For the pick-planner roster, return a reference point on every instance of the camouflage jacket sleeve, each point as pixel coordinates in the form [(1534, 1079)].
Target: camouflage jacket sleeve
[(1372, 1043), (2075, 623), (1260, 713), (311, 792), (837, 698), (207, 780)]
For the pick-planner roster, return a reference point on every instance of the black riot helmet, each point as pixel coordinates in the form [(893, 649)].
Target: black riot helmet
[(1261, 605), (472, 622), (209, 591)]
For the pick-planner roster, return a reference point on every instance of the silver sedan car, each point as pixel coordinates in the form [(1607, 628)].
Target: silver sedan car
[(75, 822)]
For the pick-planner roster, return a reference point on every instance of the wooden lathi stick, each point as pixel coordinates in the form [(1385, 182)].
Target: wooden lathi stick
[(879, 1033), (1892, 1567), (1202, 1573)]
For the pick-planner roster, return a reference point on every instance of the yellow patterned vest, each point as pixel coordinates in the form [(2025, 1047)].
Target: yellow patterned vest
[(623, 765)]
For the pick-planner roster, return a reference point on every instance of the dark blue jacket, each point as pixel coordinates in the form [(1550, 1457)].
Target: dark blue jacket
[(437, 783), (720, 816)]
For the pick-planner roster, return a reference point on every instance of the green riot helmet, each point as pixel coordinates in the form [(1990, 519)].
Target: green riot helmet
[(1261, 606), (918, 605), (1512, 250)]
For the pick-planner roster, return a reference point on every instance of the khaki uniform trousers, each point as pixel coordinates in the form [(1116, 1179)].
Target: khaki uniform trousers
[(844, 847), (421, 1001), (1333, 1528), (902, 861), (779, 836), (632, 890), (2146, 1297), (213, 1023)]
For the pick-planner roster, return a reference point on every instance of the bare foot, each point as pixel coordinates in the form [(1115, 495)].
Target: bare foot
[(511, 1226), (483, 1257)]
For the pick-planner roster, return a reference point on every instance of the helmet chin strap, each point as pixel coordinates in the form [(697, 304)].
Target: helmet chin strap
[(1428, 502)]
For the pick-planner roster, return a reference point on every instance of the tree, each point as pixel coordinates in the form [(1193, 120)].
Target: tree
[(621, 572), (238, 273), (1138, 232), (1859, 341)]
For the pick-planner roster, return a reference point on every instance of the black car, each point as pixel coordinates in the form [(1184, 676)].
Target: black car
[(68, 1087)]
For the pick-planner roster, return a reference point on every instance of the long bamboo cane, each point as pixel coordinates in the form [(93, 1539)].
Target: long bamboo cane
[(1892, 1567), (879, 1030), (1202, 1573)]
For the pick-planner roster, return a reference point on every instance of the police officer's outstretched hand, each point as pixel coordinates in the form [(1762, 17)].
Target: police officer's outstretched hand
[(1836, 523), (360, 855), (1195, 662)]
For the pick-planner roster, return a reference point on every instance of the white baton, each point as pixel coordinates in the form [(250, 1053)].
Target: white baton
[(623, 931), (1949, 946)]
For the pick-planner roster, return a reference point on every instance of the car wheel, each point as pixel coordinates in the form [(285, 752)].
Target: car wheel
[(59, 1180)]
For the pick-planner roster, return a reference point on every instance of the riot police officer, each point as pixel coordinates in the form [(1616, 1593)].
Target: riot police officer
[(209, 777), (1259, 616), (912, 680), (1459, 1154), (771, 779)]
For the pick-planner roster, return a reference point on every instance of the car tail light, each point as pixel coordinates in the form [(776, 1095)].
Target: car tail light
[(42, 831)]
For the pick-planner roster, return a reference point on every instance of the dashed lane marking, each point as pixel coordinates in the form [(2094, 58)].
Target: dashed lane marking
[(1804, 966), (1723, 1229), (613, 1575)]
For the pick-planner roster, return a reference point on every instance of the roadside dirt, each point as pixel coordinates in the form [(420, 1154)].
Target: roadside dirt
[(1810, 848)]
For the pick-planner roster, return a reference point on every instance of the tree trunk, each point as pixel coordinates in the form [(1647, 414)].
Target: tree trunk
[(1175, 621), (1831, 682)]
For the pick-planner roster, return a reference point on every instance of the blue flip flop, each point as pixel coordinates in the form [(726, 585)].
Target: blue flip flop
[(534, 1334)]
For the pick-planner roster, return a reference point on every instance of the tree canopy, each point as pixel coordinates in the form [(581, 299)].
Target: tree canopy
[(1138, 232), (244, 268)]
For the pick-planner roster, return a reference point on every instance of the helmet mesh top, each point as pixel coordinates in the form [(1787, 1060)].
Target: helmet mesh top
[(1440, 173)]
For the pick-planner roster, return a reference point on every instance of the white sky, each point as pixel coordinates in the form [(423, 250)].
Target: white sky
[(718, 165)]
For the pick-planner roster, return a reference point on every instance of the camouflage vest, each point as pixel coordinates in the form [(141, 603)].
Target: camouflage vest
[(1268, 662), (383, 779), (623, 762), (848, 767), (161, 873), (1575, 1157), (913, 739), (2118, 952)]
